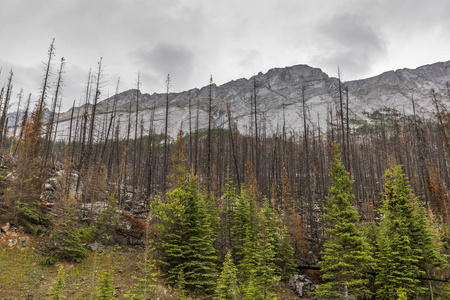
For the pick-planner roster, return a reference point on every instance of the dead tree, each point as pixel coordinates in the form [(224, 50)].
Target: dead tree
[(93, 114), (3, 122), (209, 145), (233, 149), (111, 120), (135, 167), (50, 124), (166, 141), (16, 122), (256, 151)]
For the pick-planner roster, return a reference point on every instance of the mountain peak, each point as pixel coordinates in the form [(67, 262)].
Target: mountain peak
[(279, 96)]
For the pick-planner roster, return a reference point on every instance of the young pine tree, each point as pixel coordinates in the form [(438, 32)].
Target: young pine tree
[(407, 247), (187, 242), (227, 288), (106, 286), (146, 286), (57, 289), (346, 253)]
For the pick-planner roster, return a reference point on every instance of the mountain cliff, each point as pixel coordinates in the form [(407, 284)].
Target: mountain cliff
[(279, 98)]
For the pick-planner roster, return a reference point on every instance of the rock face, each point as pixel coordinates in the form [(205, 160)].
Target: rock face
[(279, 95), (302, 285), (5, 227)]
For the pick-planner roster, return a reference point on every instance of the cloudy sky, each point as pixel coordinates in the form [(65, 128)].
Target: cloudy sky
[(230, 39)]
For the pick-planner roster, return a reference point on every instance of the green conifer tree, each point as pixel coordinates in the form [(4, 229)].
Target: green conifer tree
[(200, 255), (407, 247), (286, 262), (146, 286), (227, 288), (227, 212), (346, 253), (187, 244), (105, 285), (57, 289), (181, 283)]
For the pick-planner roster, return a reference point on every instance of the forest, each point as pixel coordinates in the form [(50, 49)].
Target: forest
[(358, 208)]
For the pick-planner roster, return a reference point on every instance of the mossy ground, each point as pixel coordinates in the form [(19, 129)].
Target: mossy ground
[(22, 275)]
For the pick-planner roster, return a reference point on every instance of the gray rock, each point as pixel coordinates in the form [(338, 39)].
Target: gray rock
[(121, 240), (301, 285), (96, 247), (23, 241), (48, 187), (6, 227), (278, 92), (11, 243)]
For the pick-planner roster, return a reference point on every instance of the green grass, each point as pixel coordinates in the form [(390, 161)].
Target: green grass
[(21, 274)]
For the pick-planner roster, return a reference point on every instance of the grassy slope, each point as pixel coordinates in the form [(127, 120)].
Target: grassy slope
[(21, 274)]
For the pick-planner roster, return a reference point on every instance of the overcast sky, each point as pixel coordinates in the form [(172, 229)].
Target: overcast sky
[(229, 39)]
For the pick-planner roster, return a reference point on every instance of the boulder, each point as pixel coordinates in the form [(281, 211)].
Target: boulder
[(96, 247), (5, 227), (302, 285), (23, 241), (12, 242)]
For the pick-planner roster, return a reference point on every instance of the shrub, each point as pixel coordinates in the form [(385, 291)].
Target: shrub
[(65, 244)]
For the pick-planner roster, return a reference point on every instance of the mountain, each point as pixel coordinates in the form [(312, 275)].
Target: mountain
[(279, 94)]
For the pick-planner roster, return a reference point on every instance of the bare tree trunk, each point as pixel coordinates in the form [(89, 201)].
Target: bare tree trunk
[(84, 130), (94, 108), (41, 102), (24, 121), (256, 131), (341, 113), (111, 120), (233, 150), (196, 138), (48, 135), (166, 146), (5, 110), (135, 175), (16, 123), (150, 154)]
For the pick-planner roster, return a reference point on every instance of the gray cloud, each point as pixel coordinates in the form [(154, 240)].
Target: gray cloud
[(191, 39), (164, 58), (351, 42)]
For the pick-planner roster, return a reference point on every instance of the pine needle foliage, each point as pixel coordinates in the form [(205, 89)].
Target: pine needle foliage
[(408, 247), (146, 286), (105, 285), (187, 242), (227, 288), (345, 254), (57, 289)]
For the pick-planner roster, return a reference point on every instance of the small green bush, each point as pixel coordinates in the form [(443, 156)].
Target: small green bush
[(65, 244), (34, 220), (88, 234)]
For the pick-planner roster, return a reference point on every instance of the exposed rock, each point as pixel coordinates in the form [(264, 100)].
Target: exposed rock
[(11, 243), (23, 241), (302, 285), (6, 227), (93, 209), (278, 92), (57, 182), (96, 247), (10, 176), (48, 187), (121, 240)]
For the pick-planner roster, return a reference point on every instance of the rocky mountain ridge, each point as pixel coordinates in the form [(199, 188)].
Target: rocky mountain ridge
[(279, 95)]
